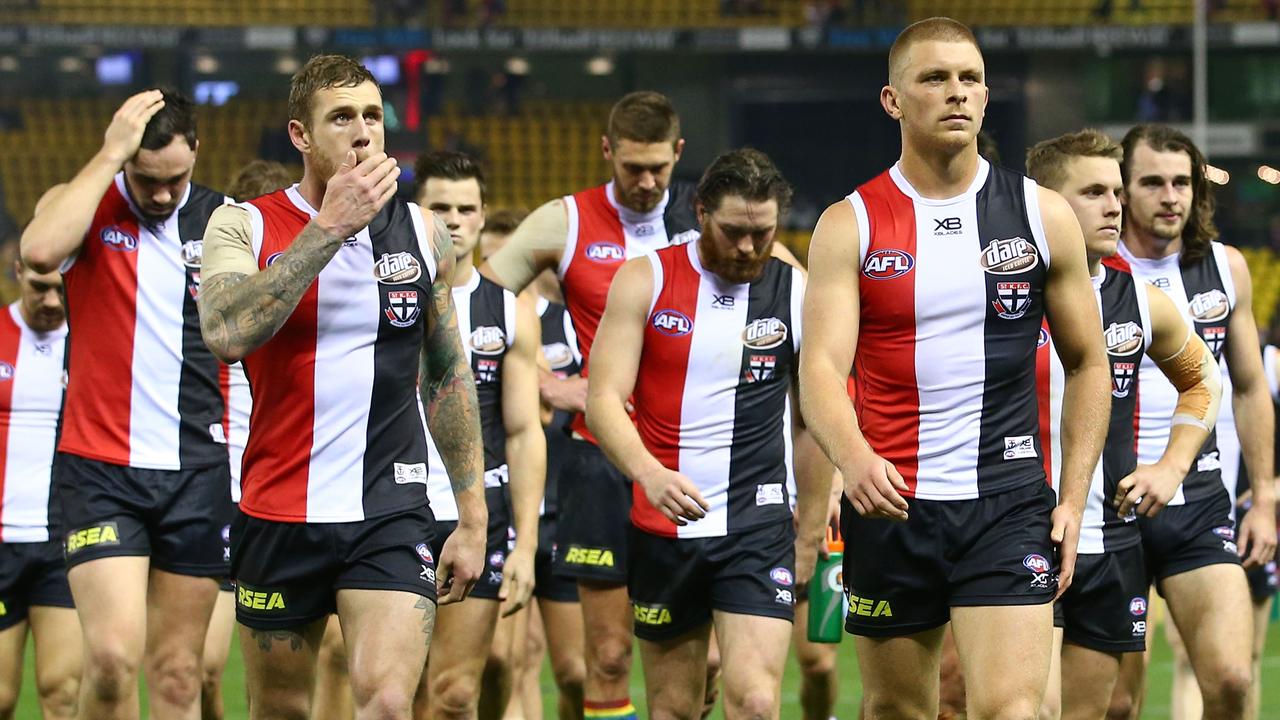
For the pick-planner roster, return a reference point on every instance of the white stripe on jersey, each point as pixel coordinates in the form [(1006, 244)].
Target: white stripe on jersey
[(1228, 440), (239, 407), (157, 342), (951, 311), (35, 401)]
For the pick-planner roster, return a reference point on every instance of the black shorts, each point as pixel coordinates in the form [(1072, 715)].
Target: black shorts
[(902, 578), (594, 517), (1263, 581), (1105, 609), (288, 574), (677, 582), (1187, 537), (547, 584), (31, 574), (496, 549), (174, 516)]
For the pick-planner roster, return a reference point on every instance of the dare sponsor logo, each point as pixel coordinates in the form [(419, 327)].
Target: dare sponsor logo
[(1123, 338), (888, 264), (764, 333), (261, 600), (1008, 257), (117, 238), (605, 252), (192, 252), (397, 268), (1210, 306), (488, 340), (559, 355), (672, 322), (101, 534)]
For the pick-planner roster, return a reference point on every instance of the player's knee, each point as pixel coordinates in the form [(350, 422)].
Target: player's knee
[(569, 673), (454, 695), (1121, 707), (895, 705), (1229, 686), (58, 694), (611, 658), (1018, 708), (282, 705), (387, 702), (109, 671), (8, 700), (816, 663), (756, 703), (176, 676)]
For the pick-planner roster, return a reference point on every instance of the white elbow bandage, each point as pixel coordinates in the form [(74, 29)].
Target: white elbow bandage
[(1195, 374)]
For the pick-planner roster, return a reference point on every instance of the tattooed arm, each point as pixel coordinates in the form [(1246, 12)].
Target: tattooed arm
[(241, 308), (453, 418)]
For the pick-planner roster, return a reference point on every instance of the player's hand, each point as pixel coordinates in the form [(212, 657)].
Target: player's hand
[(1256, 540), (461, 562), (874, 487), (1147, 490), (569, 394), (674, 495), (517, 579), (806, 560), (1066, 537), (124, 135), (355, 193)]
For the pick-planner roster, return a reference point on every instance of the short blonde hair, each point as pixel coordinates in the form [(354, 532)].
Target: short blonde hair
[(943, 29), (1047, 160)]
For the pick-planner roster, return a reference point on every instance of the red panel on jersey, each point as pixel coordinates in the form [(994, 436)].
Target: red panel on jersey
[(664, 368), (104, 277), (10, 339), (887, 399), (599, 250), (224, 385), (282, 375)]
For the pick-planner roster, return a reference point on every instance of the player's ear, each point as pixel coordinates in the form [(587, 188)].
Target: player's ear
[(889, 101), (298, 136), (605, 148)]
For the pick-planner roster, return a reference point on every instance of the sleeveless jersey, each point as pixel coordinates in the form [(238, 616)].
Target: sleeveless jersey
[(951, 307), (560, 348), (31, 386), (336, 433), (1126, 332), (1206, 295), (144, 388), (487, 322), (602, 235), (235, 421), (711, 390)]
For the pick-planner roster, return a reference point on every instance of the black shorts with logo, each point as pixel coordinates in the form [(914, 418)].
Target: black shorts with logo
[(594, 517), (31, 574), (1105, 609), (1188, 537), (547, 584), (677, 582), (904, 577), (496, 548), (174, 516), (288, 574)]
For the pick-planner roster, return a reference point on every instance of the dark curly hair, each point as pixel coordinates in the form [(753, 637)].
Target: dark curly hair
[(1200, 230), (747, 173)]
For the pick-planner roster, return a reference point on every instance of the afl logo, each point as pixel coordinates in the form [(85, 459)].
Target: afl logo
[(558, 355), (6, 371), (397, 268), (1008, 257), (782, 576), (672, 322), (764, 333), (1123, 339), (192, 250), (606, 252), (888, 264), (1036, 563), (117, 239), (488, 340), (424, 552), (1138, 607), (1209, 306), (273, 257), (1043, 339)]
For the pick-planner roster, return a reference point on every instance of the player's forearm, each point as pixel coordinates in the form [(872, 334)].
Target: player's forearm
[(238, 313), (453, 418), (57, 230), (608, 420), (1086, 404), (527, 465), (1257, 437), (828, 411), (559, 392), (813, 487)]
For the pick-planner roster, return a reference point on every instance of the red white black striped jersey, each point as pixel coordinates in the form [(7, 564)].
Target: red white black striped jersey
[(235, 423), (487, 322), (144, 388), (1206, 295), (951, 307), (1126, 332), (336, 432), (602, 235), (31, 387), (711, 390)]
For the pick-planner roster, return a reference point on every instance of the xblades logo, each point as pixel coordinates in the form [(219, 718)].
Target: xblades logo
[(947, 226)]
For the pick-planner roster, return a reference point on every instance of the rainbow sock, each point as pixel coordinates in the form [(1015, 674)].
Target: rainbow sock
[(610, 709)]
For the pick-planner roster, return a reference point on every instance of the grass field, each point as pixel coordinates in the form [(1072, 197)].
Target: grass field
[(1157, 706)]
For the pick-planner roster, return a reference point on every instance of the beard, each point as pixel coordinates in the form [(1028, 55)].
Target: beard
[(733, 267)]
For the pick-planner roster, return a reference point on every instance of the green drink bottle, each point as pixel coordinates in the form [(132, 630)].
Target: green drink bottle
[(826, 594)]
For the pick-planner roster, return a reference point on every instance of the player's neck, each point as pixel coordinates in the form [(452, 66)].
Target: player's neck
[(1095, 266), (939, 175), (462, 271), (311, 188), (1147, 245)]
